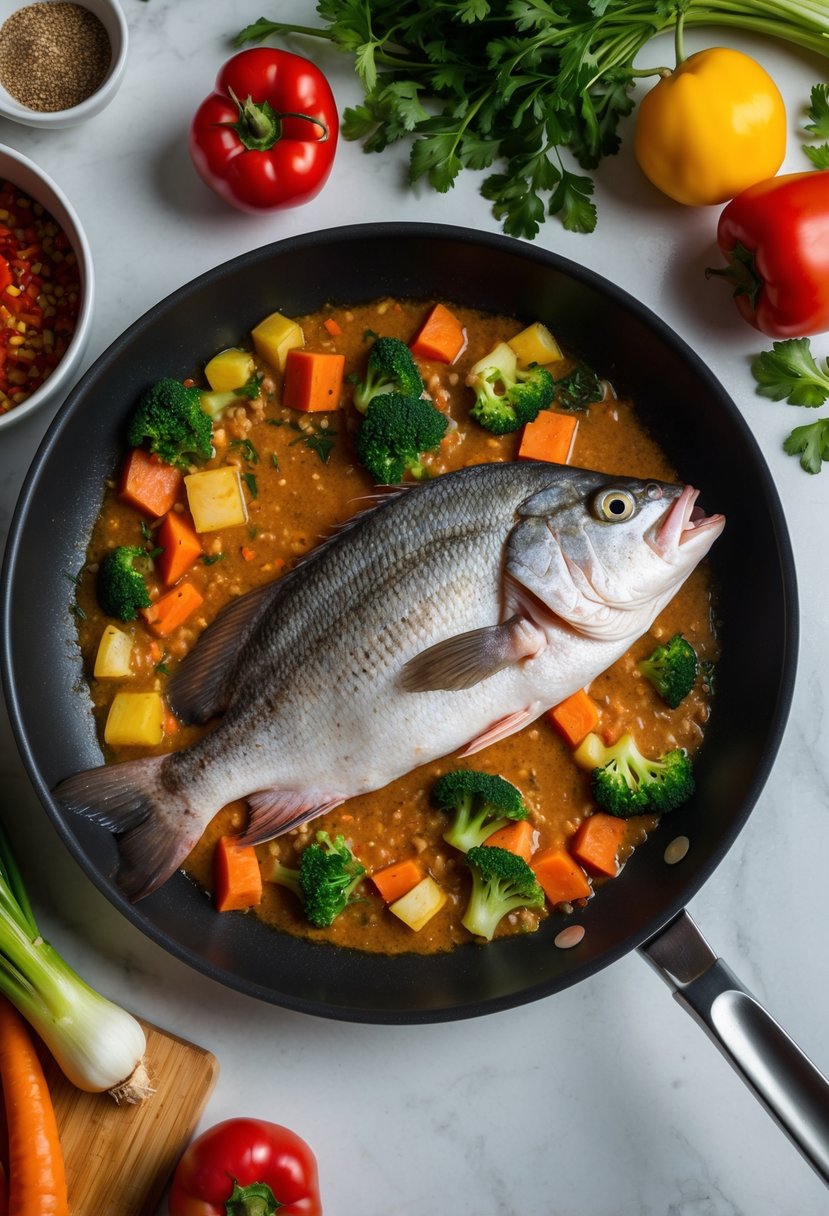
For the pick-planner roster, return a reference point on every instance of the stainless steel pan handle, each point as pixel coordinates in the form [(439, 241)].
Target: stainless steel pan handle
[(795, 1093)]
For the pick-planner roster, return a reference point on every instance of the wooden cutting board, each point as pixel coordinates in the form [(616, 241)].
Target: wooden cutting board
[(120, 1158)]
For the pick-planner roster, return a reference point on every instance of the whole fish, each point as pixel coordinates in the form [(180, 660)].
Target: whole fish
[(446, 617)]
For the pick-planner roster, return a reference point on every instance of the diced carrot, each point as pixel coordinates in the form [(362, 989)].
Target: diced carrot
[(333, 327), (237, 880), (180, 542), (171, 723), (148, 484), (397, 879), (247, 553), (575, 717), (441, 336), (169, 611), (516, 837), (313, 380), (560, 876), (549, 437), (595, 844)]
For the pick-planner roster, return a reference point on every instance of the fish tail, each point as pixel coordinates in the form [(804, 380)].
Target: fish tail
[(154, 828)]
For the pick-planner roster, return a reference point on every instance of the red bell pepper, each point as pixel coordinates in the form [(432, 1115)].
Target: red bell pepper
[(246, 1167), (266, 137), (775, 236)]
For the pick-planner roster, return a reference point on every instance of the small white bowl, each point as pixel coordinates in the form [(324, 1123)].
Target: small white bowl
[(25, 174), (111, 16)]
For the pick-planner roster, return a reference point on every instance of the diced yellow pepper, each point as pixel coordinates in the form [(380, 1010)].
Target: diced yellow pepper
[(135, 719), (229, 370), (216, 499), (417, 907), (536, 344), (274, 337), (113, 658)]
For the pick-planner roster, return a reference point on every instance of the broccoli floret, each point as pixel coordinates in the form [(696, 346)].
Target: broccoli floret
[(170, 416), (501, 882), (395, 433), (121, 588), (627, 783), (215, 403), (391, 369), (672, 669), (326, 879), (481, 803), (578, 389), (508, 396)]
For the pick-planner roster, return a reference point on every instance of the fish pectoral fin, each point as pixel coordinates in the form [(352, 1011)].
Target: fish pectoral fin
[(466, 659), (501, 729), (273, 812)]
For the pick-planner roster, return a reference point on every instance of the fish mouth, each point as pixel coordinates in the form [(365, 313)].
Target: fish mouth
[(684, 523)]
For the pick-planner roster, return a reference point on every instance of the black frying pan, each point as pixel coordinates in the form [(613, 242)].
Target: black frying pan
[(694, 420)]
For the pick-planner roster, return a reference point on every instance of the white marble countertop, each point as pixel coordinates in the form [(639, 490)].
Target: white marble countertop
[(605, 1100)]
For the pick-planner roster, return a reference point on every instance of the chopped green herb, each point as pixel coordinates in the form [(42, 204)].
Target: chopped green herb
[(253, 531), (210, 558), (275, 421), (146, 530), (322, 442), (370, 335), (274, 460), (577, 390), (77, 611), (250, 481), (247, 450)]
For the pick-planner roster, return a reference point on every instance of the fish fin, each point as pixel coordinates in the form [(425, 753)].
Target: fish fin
[(154, 830), (466, 659), (499, 730), (273, 812), (200, 687)]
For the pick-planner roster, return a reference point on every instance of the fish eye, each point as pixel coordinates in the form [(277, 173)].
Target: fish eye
[(614, 506)]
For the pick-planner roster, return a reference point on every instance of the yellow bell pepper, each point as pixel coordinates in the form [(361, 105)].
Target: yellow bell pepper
[(711, 128)]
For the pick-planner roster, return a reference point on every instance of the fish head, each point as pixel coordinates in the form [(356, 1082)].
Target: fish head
[(605, 554)]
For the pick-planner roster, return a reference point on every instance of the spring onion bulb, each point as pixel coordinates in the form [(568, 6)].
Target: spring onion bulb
[(99, 1046)]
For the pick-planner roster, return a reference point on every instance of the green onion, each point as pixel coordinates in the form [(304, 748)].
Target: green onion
[(99, 1046)]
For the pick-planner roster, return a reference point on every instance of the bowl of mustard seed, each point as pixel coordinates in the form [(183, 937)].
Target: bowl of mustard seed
[(61, 62)]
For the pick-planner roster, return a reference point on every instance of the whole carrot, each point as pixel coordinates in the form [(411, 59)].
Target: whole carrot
[(37, 1180)]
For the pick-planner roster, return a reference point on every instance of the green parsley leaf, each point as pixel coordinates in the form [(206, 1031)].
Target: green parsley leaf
[(811, 443), (250, 481), (818, 154), (210, 558), (818, 112), (789, 371)]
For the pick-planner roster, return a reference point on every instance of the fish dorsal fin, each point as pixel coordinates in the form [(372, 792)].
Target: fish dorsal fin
[(464, 660), (199, 688)]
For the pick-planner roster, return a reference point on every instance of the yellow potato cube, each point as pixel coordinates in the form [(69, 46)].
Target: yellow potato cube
[(135, 719), (113, 658), (274, 337), (536, 344), (229, 370), (216, 499), (417, 907)]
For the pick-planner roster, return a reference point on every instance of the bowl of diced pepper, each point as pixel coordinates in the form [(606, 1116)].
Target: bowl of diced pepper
[(46, 289)]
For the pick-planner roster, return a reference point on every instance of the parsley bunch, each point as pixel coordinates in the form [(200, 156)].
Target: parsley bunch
[(532, 89)]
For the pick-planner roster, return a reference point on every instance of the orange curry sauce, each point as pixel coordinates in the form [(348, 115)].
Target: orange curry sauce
[(301, 492)]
